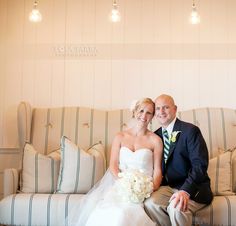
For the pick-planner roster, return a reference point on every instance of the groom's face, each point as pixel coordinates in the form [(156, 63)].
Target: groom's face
[(165, 110)]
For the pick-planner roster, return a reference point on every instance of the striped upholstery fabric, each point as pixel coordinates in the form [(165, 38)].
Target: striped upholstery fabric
[(220, 172), (43, 127), (86, 126), (11, 179), (218, 126), (79, 170), (58, 209), (83, 126), (221, 212), (39, 209), (40, 172), (234, 171)]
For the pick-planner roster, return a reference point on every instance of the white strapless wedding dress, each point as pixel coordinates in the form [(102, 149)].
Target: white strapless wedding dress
[(111, 211)]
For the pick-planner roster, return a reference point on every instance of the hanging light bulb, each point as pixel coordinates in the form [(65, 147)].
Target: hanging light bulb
[(115, 14), (194, 17), (35, 16)]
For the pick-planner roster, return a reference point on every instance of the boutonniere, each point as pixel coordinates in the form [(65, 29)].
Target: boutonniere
[(173, 136)]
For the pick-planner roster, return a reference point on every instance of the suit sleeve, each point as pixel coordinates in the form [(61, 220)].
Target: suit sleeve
[(198, 157)]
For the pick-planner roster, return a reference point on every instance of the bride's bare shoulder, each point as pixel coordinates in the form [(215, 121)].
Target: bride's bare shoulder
[(121, 134), (155, 137)]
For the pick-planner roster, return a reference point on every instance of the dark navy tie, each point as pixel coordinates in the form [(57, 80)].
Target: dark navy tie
[(166, 144)]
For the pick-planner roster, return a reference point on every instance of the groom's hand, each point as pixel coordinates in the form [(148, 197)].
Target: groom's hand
[(180, 200)]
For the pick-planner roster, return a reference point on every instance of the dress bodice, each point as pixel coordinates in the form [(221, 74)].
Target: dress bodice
[(139, 159), (110, 209)]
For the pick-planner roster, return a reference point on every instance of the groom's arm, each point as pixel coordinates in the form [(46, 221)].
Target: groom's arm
[(198, 157)]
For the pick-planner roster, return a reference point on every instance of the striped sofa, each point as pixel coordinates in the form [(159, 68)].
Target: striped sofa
[(43, 127)]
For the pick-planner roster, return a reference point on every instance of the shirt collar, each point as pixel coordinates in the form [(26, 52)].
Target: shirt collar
[(170, 127)]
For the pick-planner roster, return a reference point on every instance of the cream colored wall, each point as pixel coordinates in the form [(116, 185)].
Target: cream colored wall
[(152, 50)]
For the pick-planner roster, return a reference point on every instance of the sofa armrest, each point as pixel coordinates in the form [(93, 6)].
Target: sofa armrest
[(234, 173), (10, 181)]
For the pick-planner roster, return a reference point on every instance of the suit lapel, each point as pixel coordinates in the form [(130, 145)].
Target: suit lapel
[(173, 144), (172, 147), (159, 133)]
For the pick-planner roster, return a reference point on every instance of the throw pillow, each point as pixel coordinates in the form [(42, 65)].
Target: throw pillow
[(98, 150), (234, 169), (39, 172), (79, 169), (220, 173)]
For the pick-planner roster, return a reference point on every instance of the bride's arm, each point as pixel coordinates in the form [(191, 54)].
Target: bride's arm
[(157, 173), (114, 158)]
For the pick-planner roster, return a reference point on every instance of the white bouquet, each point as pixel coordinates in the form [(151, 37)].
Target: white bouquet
[(134, 185)]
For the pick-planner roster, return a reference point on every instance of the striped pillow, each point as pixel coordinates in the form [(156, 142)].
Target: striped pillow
[(79, 169), (234, 170), (220, 173), (39, 172)]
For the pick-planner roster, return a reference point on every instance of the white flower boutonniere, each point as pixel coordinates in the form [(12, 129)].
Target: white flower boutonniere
[(174, 136)]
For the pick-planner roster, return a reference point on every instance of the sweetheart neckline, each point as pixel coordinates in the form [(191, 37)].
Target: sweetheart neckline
[(135, 150)]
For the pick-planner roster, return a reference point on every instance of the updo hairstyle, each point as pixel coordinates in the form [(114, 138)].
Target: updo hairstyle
[(141, 102)]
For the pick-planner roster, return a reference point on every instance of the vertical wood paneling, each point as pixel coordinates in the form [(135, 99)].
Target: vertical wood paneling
[(163, 76), (162, 21), (89, 19), (58, 30), (206, 84), (58, 83), (153, 50), (148, 79), (231, 83), (190, 96), (219, 78), (1, 185), (117, 29), (87, 84), (102, 81), (132, 81), (132, 21), (147, 21), (75, 21), (102, 25), (73, 82), (13, 72), (231, 18), (3, 49), (219, 21), (117, 84), (43, 79), (176, 80)]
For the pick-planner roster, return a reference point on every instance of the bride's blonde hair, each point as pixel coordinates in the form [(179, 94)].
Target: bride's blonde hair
[(140, 102)]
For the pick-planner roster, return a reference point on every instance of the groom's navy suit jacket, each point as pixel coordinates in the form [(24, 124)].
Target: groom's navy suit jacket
[(186, 166)]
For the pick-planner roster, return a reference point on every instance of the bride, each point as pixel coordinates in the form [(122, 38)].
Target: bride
[(135, 148)]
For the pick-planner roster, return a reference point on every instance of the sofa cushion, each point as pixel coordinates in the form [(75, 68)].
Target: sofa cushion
[(219, 213), (79, 169), (234, 170), (98, 151), (40, 209), (220, 173), (39, 172)]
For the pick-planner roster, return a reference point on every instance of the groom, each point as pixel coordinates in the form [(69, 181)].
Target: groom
[(185, 185)]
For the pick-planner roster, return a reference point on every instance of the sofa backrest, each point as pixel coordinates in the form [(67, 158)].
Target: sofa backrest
[(43, 127)]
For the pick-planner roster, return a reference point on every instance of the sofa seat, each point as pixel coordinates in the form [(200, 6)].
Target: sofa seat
[(58, 209), (221, 212), (38, 209)]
